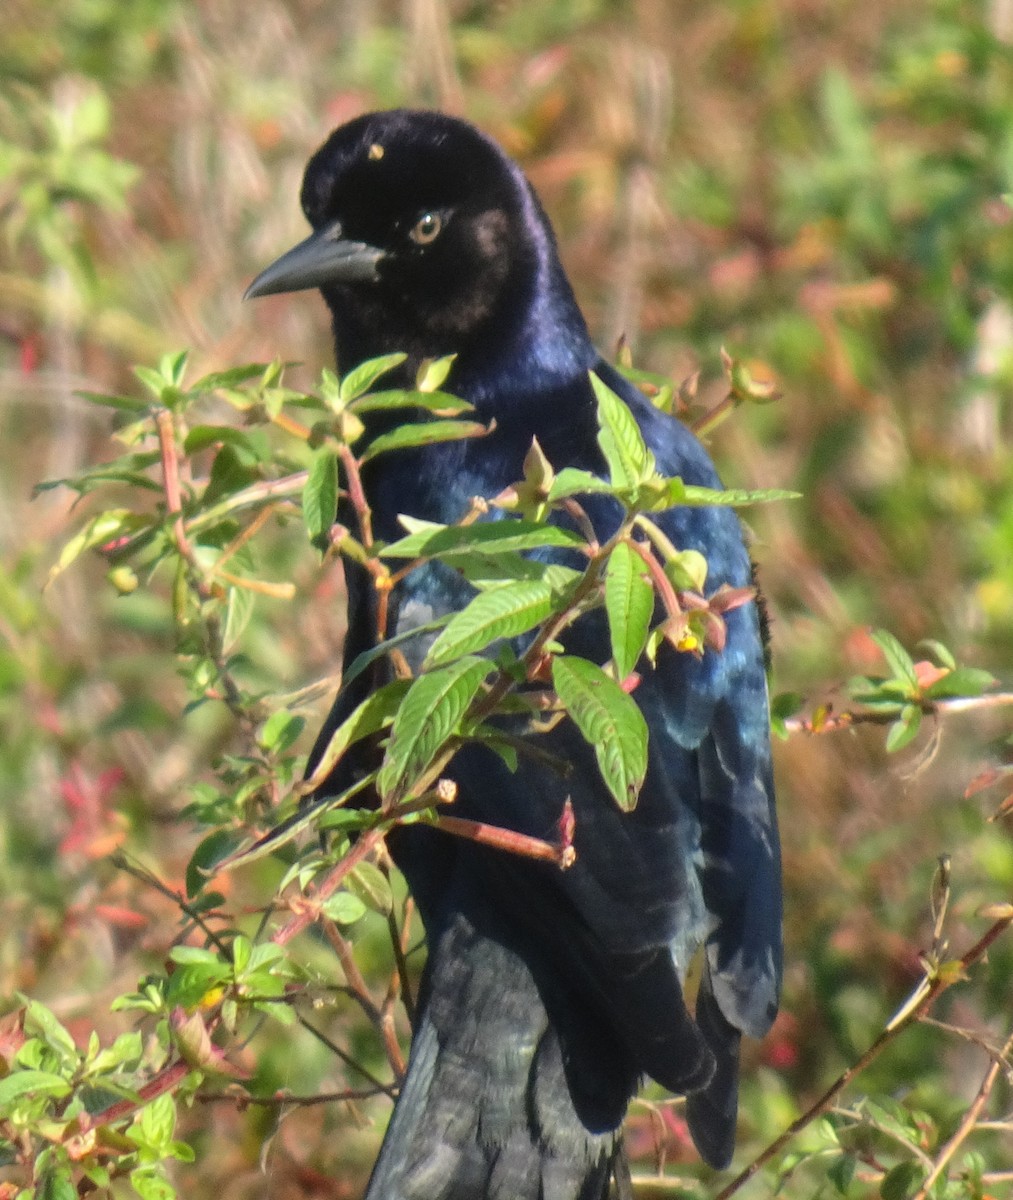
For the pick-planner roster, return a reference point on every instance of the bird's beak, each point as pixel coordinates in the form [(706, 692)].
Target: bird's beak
[(324, 257)]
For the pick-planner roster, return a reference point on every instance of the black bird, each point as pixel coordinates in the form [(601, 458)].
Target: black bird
[(548, 995)]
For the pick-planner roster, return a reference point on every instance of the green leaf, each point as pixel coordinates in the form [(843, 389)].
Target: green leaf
[(131, 404), (441, 403), (939, 652), (376, 711), (157, 1120), (362, 377), (280, 731), (188, 956), (372, 887), (104, 527), (687, 570), (56, 1182), (783, 706), (31, 1083), (152, 1183), (320, 495), (501, 612), (214, 849), (572, 482), (423, 433), (490, 537), (629, 604), (238, 612), (44, 1024), (630, 462), (344, 908), (232, 378), (898, 660), (962, 681), (609, 720), (242, 948), (202, 436), (841, 1172), (905, 729), (901, 1181), (702, 497), (433, 372), (127, 1049), (368, 657), (489, 571), (430, 713)]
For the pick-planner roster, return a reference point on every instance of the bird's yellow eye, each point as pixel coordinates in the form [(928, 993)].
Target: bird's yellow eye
[(426, 229)]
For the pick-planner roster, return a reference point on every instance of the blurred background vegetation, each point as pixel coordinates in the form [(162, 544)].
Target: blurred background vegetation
[(821, 188)]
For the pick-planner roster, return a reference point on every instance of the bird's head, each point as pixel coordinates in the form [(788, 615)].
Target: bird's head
[(426, 239)]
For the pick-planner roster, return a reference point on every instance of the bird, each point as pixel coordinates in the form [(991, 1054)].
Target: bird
[(548, 996)]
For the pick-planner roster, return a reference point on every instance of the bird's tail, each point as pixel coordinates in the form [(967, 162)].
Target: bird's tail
[(487, 1111)]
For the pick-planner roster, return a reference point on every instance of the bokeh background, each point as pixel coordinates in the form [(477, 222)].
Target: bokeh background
[(821, 188)]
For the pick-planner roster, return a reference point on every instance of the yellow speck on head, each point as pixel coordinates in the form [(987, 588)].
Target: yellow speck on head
[(375, 152)]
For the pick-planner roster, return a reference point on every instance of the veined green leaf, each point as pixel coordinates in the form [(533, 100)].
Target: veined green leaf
[(26, 1083), (320, 494), (363, 660), (132, 404), (442, 403), (698, 497), (280, 731), (367, 718), (629, 604), (962, 681), (362, 377), (485, 571), (105, 527), (344, 908), (424, 433), (238, 611), (630, 462), (489, 537), (898, 660), (231, 378), (372, 887), (658, 493), (127, 469), (609, 720), (202, 436), (500, 612), (572, 482), (430, 713)]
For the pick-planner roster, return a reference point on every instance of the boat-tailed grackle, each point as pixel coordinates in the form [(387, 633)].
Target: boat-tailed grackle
[(548, 995)]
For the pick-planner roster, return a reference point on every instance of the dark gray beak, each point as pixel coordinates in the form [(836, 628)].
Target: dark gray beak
[(323, 258)]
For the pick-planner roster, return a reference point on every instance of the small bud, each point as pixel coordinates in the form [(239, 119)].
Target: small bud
[(123, 580)]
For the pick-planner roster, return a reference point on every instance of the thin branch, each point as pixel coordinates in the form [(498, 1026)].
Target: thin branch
[(946, 705), (968, 1121), (287, 1099), (119, 860), (400, 984), (381, 1020), (357, 495), (562, 855), (306, 908), (921, 1000), (167, 1080), (857, 1117), (388, 1089), (247, 714)]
